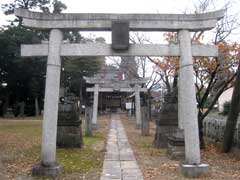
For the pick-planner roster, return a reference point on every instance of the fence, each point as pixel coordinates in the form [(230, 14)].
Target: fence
[(214, 129)]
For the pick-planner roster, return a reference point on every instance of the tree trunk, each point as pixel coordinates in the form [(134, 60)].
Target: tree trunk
[(149, 104), (233, 115), (36, 107), (200, 127), (6, 104), (22, 109)]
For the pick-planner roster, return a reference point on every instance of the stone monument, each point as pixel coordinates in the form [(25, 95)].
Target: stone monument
[(69, 133), (167, 122)]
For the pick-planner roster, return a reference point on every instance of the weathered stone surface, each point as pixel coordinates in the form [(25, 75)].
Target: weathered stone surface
[(194, 171), (97, 80), (79, 50), (68, 112), (52, 171), (119, 162), (69, 136), (2, 171), (129, 165), (188, 100), (138, 106), (83, 16), (120, 35), (95, 107), (49, 133), (112, 170), (120, 89), (9, 113), (88, 121), (132, 174), (168, 119), (137, 22), (145, 131), (176, 146), (69, 132), (162, 134)]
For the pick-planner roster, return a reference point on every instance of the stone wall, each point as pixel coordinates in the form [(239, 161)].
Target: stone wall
[(214, 127)]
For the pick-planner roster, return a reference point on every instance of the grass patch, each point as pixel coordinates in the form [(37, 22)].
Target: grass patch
[(97, 136), (20, 145), (32, 128), (82, 160)]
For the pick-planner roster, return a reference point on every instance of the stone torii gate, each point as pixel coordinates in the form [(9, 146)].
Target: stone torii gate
[(55, 49), (137, 89)]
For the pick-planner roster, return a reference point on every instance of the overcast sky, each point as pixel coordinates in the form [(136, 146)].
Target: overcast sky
[(134, 6), (131, 6)]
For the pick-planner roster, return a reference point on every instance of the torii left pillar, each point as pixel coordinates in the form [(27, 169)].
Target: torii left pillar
[(49, 166)]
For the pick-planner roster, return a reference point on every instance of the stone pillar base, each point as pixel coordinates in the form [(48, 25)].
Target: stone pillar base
[(94, 126), (69, 136), (52, 171), (193, 171), (176, 147), (175, 152), (138, 126)]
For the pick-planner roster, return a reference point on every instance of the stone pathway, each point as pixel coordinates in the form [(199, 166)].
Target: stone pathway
[(119, 162), (2, 170)]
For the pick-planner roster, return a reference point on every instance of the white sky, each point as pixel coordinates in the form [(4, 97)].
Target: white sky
[(134, 6), (131, 6)]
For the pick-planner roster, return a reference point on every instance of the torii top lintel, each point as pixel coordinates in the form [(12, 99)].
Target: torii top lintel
[(137, 22)]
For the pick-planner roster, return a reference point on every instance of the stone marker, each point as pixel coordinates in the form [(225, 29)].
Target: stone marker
[(69, 132), (95, 106), (137, 106), (120, 35), (175, 145), (9, 113), (88, 121), (145, 122), (168, 120)]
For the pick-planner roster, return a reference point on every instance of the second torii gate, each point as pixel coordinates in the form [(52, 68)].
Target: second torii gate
[(55, 49), (96, 89)]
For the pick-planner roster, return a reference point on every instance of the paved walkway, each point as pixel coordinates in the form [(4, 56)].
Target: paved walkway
[(119, 162)]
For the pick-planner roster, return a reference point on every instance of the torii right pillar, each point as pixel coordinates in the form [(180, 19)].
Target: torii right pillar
[(192, 166)]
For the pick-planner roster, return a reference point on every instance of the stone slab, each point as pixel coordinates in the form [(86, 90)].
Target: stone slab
[(129, 165), (137, 22), (119, 161), (78, 50), (98, 16), (52, 171), (194, 171), (132, 174), (112, 169)]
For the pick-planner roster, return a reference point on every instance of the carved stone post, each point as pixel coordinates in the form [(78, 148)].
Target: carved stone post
[(145, 121), (188, 109), (88, 121), (49, 166), (138, 105), (95, 106)]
